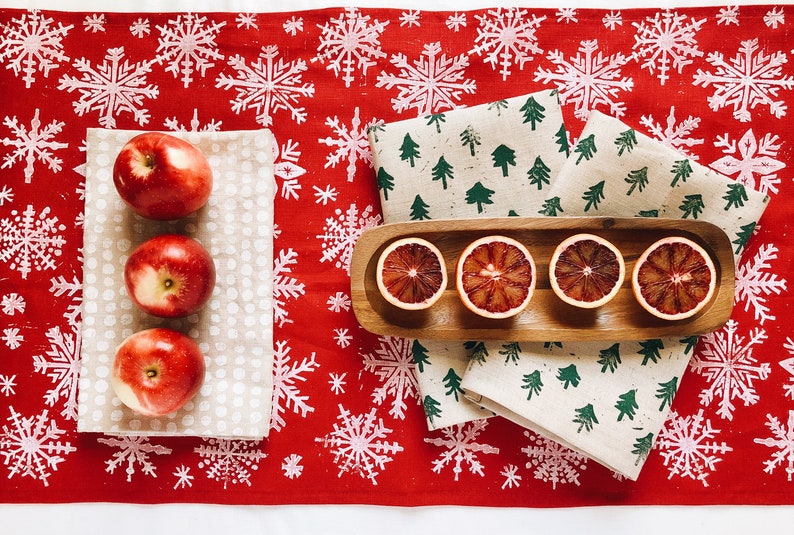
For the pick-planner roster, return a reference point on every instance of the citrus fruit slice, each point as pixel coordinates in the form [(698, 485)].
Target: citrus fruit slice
[(586, 270), (495, 277), (674, 278), (411, 273)]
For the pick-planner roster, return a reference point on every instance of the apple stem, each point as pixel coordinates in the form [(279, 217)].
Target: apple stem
[(168, 283), (151, 373)]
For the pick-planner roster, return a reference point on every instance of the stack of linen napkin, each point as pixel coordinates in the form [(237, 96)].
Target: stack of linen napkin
[(546, 177), (234, 329)]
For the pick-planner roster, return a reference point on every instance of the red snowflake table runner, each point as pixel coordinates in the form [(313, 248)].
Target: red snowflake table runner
[(715, 83)]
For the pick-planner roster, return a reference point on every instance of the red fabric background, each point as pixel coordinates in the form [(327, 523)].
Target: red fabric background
[(84, 470)]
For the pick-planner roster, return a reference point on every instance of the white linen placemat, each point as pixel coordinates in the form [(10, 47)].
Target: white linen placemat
[(609, 400), (234, 329)]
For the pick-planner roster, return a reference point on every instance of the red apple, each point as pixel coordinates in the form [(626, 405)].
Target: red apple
[(157, 371), (169, 276), (161, 176)]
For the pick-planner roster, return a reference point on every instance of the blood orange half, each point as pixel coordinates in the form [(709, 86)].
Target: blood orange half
[(411, 273), (586, 270), (674, 278), (495, 277)]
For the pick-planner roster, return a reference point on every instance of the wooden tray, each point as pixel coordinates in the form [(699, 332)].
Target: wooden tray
[(546, 318)]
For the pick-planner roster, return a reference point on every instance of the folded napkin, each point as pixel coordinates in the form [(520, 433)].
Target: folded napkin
[(234, 329), (609, 400), (491, 160)]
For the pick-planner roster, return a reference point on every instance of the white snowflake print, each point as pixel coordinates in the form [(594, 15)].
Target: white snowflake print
[(506, 37), (339, 302), (726, 361), (291, 466), (61, 364), (337, 382), (286, 376), (552, 462), (774, 18), (689, 446), (341, 233), (284, 285), (324, 196), (351, 144), (746, 81), (195, 124), (512, 479), (32, 45), (750, 157), (114, 87), (666, 42), (589, 80), (35, 143), (410, 18), (12, 303), (728, 15), (788, 366), (673, 134), (247, 21), (31, 241), (342, 337), (461, 446), (6, 195), (7, 384), (456, 21), (32, 447), (286, 168), (94, 23), (230, 461), (566, 15), (612, 20), (133, 451), (358, 443), (782, 440), (183, 477), (432, 83), (140, 28), (61, 287), (754, 283), (269, 85), (188, 46), (393, 364), (349, 43), (11, 337), (293, 25)]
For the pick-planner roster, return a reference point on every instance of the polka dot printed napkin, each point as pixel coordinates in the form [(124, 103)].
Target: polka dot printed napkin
[(234, 329)]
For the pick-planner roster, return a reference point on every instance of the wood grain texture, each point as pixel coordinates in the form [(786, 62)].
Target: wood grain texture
[(547, 318)]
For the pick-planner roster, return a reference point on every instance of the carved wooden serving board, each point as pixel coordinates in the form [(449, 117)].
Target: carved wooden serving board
[(546, 318)]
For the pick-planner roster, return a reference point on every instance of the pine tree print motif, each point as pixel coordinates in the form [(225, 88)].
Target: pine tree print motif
[(470, 138), (736, 196), (432, 408), (479, 195), (409, 150), (650, 351), (689, 446), (627, 405), (681, 171), (585, 148), (532, 383), (442, 171), (569, 376), (626, 141), (642, 448), (638, 179), (385, 182), (461, 446), (666, 393), (436, 120), (782, 441), (742, 236), (586, 418), (503, 156), (421, 356), (478, 351), (561, 138), (539, 174), (692, 205), (32, 44), (609, 358), (533, 112), (551, 207), (511, 352), (452, 383), (419, 209)]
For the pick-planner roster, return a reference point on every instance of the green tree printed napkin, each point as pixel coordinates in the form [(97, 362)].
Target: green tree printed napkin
[(491, 160), (609, 400)]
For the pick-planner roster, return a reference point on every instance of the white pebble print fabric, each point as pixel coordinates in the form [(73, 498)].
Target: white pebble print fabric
[(234, 329)]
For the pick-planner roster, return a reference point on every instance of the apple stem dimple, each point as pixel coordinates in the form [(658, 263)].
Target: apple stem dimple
[(151, 374)]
